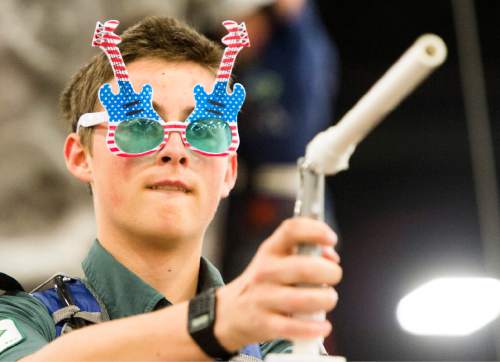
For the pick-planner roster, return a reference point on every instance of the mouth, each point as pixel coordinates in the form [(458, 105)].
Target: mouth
[(170, 186)]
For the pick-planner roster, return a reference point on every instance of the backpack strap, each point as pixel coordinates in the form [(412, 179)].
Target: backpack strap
[(73, 306), (250, 350), (70, 303)]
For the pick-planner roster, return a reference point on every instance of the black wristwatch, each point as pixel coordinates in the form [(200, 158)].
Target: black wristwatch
[(201, 323)]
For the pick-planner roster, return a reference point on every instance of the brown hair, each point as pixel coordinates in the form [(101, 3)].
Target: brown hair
[(153, 37)]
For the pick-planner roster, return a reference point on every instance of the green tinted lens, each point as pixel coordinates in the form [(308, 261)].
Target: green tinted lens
[(209, 135), (138, 135)]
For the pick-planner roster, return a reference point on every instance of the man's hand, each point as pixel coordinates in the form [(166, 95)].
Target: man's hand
[(257, 306)]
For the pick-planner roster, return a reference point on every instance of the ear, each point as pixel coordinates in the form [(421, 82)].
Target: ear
[(231, 174), (77, 158)]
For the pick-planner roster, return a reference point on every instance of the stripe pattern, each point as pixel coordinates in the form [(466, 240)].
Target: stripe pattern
[(107, 40), (128, 104), (236, 40), (222, 103), (168, 128)]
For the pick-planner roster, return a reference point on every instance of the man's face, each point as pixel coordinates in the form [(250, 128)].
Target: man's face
[(172, 194)]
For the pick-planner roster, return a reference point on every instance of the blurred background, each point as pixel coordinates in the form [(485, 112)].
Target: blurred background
[(418, 201)]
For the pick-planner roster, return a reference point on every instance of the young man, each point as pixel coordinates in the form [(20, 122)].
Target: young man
[(145, 269)]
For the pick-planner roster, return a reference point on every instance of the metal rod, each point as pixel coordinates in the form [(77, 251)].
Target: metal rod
[(481, 148), (310, 203)]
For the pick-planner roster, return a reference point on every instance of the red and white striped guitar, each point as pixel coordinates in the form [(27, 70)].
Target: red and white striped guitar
[(236, 40), (220, 104), (127, 104)]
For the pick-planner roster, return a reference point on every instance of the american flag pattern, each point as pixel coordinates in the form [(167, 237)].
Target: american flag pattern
[(107, 40), (234, 42), (128, 104), (219, 103)]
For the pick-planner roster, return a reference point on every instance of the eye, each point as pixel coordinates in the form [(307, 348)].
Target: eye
[(210, 134), (200, 129), (138, 135)]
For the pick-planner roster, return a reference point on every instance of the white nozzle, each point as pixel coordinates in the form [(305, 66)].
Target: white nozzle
[(330, 150)]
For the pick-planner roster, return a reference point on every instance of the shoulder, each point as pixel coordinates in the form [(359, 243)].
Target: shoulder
[(26, 309), (25, 323), (15, 302)]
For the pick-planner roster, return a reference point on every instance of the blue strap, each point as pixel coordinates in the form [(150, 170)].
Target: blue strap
[(86, 302), (252, 350), (81, 296)]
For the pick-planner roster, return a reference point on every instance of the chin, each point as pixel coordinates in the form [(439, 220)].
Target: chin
[(171, 227)]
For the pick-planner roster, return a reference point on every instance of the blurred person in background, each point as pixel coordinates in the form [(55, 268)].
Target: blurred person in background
[(291, 72), (144, 273)]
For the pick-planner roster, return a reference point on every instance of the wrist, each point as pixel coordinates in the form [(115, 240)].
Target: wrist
[(202, 314), (222, 330)]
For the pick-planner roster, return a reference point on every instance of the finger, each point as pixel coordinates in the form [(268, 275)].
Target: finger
[(299, 269), (300, 230), (330, 254), (285, 327), (290, 300)]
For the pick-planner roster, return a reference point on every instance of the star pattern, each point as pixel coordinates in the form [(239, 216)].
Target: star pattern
[(128, 104), (218, 104)]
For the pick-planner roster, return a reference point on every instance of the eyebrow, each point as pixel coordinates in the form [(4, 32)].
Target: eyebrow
[(185, 113)]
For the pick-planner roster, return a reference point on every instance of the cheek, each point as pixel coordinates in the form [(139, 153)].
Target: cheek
[(109, 186), (214, 179), (115, 197), (112, 179)]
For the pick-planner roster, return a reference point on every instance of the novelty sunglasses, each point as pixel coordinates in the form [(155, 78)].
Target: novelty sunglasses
[(136, 129), (142, 136)]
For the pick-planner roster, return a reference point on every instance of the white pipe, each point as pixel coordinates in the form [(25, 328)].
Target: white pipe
[(330, 150)]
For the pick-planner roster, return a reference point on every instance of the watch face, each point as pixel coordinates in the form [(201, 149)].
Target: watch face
[(200, 321)]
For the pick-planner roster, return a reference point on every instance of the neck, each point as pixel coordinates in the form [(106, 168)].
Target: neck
[(115, 58), (172, 271), (227, 63)]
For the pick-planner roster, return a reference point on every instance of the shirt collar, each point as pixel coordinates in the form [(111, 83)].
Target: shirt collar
[(123, 292)]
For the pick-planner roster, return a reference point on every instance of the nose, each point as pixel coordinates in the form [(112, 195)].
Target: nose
[(173, 152)]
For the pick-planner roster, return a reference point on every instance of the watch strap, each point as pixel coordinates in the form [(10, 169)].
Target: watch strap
[(201, 324)]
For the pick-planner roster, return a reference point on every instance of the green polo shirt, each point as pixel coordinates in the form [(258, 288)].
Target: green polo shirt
[(119, 291)]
